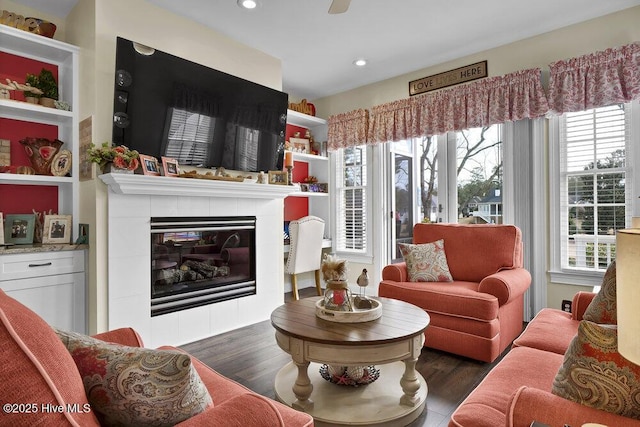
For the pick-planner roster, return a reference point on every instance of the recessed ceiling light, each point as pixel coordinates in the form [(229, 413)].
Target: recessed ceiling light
[(360, 62), (248, 4)]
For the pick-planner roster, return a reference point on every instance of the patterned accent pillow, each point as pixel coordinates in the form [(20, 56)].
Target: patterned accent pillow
[(595, 374), (602, 308), (136, 386), (426, 262)]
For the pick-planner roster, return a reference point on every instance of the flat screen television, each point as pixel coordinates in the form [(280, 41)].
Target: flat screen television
[(168, 106)]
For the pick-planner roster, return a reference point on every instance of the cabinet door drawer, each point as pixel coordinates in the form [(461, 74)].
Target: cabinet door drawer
[(59, 299), (37, 264)]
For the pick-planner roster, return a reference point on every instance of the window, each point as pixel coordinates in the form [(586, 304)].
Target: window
[(351, 201), (190, 137), (594, 185)]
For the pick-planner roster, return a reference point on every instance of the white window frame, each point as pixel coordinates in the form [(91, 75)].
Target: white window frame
[(365, 256), (561, 275)]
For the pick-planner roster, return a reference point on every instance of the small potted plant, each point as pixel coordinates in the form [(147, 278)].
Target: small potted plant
[(32, 96), (49, 87), (118, 159)]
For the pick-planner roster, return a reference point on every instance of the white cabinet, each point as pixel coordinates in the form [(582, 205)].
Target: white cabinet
[(65, 57), (319, 204), (50, 283)]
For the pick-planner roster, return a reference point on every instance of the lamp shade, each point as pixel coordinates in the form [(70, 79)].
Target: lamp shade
[(628, 293), (635, 222)]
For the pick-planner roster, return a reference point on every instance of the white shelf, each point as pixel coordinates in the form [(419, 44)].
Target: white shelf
[(26, 111), (12, 178), (309, 157), (304, 120)]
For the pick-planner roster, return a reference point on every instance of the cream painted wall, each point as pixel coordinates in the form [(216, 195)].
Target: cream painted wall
[(609, 31), (94, 25)]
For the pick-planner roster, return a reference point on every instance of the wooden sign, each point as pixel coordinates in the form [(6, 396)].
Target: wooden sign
[(303, 107), (448, 78)]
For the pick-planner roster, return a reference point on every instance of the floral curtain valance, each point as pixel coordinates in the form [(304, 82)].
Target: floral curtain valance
[(495, 100), (393, 121), (595, 80), (348, 129)]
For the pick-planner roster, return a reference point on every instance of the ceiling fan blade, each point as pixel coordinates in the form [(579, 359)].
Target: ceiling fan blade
[(339, 6)]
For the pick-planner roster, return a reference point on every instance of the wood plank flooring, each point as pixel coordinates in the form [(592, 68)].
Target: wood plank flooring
[(251, 357)]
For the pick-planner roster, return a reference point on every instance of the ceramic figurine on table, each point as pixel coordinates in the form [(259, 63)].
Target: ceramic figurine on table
[(363, 281)]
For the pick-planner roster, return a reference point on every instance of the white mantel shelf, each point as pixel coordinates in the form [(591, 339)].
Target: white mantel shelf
[(132, 184)]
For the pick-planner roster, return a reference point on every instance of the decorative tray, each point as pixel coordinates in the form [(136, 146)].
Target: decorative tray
[(356, 316), (212, 177)]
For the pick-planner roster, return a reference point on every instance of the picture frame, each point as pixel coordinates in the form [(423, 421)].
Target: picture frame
[(278, 177), (1, 230), (300, 145), (19, 229), (149, 165), (57, 229), (61, 163), (170, 166)]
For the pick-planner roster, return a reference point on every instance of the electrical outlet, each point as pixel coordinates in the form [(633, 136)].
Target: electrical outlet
[(566, 305)]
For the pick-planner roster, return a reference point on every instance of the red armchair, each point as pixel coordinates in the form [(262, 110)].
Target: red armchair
[(480, 313)]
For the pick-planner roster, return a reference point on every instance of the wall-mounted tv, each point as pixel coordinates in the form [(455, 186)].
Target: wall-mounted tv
[(168, 106)]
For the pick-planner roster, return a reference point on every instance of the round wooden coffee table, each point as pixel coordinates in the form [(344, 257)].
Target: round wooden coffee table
[(393, 341)]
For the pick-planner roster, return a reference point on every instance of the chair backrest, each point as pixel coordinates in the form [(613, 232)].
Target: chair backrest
[(305, 245), (474, 251)]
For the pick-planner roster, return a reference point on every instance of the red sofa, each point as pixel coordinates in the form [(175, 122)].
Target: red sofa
[(517, 391), (480, 313), (37, 371)]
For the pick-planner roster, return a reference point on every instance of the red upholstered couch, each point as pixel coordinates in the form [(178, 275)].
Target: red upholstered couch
[(37, 371), (517, 391), (480, 313)]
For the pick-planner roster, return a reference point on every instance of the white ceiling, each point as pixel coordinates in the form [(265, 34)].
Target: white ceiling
[(395, 36)]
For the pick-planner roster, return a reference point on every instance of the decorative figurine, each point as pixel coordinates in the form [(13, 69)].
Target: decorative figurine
[(363, 281)]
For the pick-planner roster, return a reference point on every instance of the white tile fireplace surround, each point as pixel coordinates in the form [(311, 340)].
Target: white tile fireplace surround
[(134, 199)]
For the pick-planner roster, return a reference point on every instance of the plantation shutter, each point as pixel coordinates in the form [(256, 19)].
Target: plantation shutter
[(594, 195), (190, 137), (352, 200)]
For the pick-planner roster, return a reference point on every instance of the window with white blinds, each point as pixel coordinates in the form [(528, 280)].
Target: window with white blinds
[(351, 229), (190, 137), (594, 190)]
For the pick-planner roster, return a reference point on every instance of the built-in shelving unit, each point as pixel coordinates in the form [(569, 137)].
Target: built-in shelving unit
[(65, 57), (50, 280), (319, 204)]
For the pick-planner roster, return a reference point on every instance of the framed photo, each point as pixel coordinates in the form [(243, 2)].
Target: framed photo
[(300, 145), (19, 229), (57, 229), (170, 166), (149, 165), (278, 177), (1, 230), (61, 163)]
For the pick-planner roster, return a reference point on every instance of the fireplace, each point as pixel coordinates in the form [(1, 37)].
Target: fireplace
[(198, 261)]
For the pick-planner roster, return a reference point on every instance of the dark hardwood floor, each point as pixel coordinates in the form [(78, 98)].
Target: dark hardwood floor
[(251, 357)]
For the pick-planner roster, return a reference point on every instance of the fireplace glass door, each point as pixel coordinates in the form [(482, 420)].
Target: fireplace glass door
[(197, 261)]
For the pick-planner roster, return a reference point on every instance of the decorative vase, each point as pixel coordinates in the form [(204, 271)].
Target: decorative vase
[(109, 167), (337, 296), (41, 152)]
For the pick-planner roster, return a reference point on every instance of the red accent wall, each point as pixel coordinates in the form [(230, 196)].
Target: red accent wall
[(17, 67), (19, 199)]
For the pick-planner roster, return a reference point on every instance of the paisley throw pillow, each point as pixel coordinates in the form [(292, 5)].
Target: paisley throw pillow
[(133, 386), (595, 374), (602, 308), (426, 262)]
